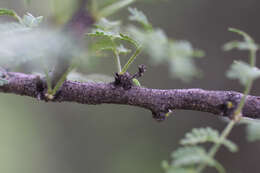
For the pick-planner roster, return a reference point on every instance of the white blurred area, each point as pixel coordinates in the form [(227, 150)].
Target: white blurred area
[(21, 44)]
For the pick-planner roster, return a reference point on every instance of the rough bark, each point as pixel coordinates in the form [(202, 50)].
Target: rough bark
[(158, 101)]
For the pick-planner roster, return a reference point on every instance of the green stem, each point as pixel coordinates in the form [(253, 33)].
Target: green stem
[(131, 60), (62, 80), (237, 113), (216, 147), (118, 63), (243, 100), (252, 58), (48, 80), (113, 8)]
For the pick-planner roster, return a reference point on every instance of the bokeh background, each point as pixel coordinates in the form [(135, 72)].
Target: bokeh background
[(67, 137)]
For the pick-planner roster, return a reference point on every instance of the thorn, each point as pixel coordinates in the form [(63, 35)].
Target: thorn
[(141, 70), (125, 80)]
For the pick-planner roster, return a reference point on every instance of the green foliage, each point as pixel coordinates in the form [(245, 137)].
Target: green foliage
[(247, 44), (109, 32), (252, 129), (186, 158), (154, 42), (114, 7), (139, 16), (136, 82), (30, 21), (246, 74), (191, 155), (203, 135), (178, 54), (109, 37), (21, 41), (243, 72), (11, 13)]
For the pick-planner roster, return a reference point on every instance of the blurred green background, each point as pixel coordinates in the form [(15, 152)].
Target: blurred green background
[(67, 137)]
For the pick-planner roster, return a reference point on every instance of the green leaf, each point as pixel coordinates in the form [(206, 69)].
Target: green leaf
[(190, 155), (11, 13), (181, 60), (7, 12), (122, 50), (108, 25), (203, 135), (200, 135), (127, 38), (154, 43), (139, 17), (253, 131), (112, 35), (243, 72), (136, 82), (247, 44), (115, 7), (102, 33), (30, 21), (178, 54), (104, 43), (240, 45)]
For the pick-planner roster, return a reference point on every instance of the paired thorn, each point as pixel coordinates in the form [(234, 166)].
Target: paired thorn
[(126, 80)]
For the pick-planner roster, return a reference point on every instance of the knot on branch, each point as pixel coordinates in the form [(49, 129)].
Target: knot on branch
[(125, 80), (41, 88), (229, 107), (161, 115)]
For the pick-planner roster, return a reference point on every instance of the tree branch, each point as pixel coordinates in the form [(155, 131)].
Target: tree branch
[(158, 101)]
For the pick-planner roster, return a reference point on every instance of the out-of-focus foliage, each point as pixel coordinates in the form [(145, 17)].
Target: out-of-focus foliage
[(191, 154), (154, 42), (203, 135), (185, 158), (139, 17), (240, 70), (30, 21), (24, 41), (247, 44), (22, 44), (243, 72), (8, 12), (178, 54)]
